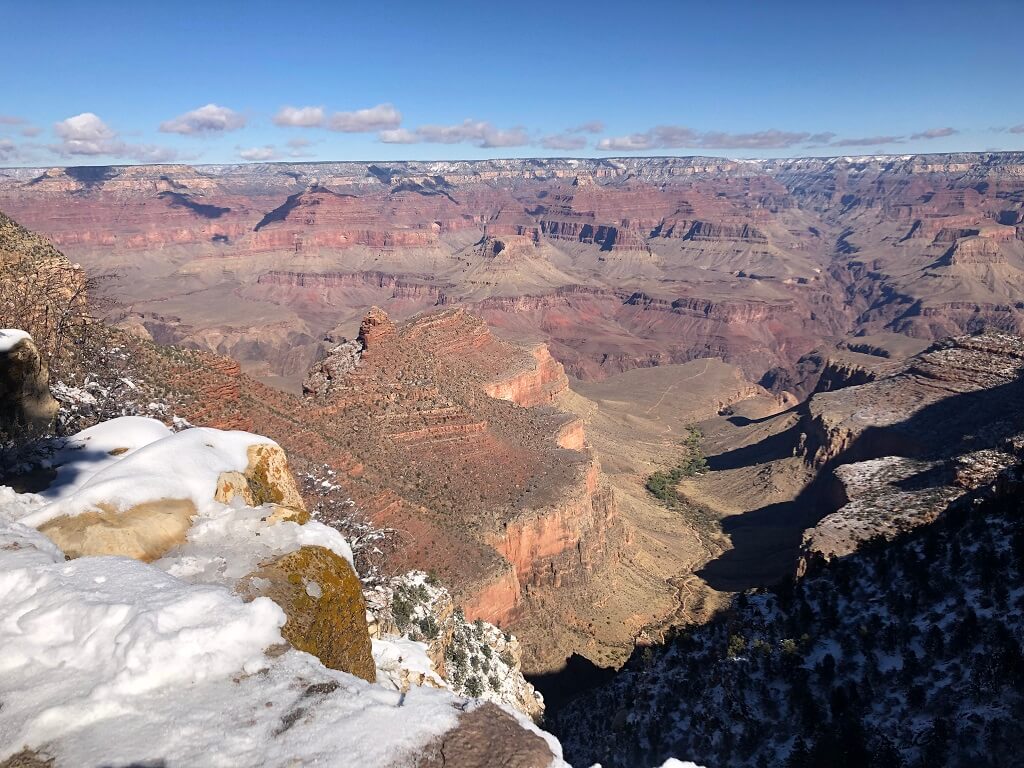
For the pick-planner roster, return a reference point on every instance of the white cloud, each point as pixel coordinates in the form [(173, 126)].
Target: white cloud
[(379, 118), (298, 142), (1017, 128), (86, 134), (934, 133), (261, 154), (205, 120), (398, 136), (477, 132), (300, 117), (12, 120), (563, 141)]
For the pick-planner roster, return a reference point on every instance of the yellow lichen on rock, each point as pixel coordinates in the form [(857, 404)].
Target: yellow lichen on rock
[(266, 480), (323, 600), (145, 531)]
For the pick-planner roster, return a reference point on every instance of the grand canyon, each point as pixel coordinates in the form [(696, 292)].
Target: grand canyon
[(461, 385), (614, 301), (614, 264)]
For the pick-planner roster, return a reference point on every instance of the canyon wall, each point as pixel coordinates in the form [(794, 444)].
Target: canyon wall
[(614, 263)]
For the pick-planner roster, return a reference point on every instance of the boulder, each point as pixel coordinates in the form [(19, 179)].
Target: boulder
[(323, 600), (162, 487), (340, 361), (266, 480), (26, 406), (487, 736)]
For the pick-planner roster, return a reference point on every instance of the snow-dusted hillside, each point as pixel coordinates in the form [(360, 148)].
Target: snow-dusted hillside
[(905, 654)]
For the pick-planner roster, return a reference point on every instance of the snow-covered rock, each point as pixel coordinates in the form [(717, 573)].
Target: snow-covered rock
[(472, 658), (26, 406), (113, 661), (132, 487)]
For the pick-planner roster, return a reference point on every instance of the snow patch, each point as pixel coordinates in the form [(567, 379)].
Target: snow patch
[(11, 337)]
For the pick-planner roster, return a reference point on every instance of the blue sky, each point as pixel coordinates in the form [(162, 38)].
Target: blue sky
[(97, 82)]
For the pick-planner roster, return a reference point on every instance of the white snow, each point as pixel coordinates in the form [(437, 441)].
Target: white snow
[(9, 338), (397, 654), (227, 542), (112, 661), (132, 459)]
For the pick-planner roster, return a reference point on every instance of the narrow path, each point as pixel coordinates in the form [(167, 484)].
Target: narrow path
[(673, 385)]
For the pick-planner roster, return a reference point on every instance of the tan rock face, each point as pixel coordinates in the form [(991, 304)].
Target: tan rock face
[(539, 384), (266, 480), (323, 600), (145, 532), (487, 737), (26, 406)]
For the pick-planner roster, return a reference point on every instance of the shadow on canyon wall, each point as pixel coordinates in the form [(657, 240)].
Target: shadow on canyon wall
[(766, 541)]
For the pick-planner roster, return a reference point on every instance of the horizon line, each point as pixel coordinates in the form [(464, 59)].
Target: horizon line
[(725, 158)]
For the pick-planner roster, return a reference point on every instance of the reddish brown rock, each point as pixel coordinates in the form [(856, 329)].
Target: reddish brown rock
[(487, 737)]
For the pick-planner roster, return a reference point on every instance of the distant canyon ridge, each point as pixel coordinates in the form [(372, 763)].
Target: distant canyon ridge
[(614, 263)]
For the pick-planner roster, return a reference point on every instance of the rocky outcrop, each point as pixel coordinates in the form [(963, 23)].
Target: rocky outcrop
[(884, 418), (375, 328), (172, 478), (899, 450), (473, 658), (26, 406), (266, 479), (323, 600), (538, 385), (485, 737), (339, 361)]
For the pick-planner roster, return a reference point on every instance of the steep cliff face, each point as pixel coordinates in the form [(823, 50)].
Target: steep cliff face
[(538, 385), (566, 541), (903, 447)]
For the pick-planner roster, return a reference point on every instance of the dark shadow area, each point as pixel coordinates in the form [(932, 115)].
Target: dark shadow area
[(766, 541), (777, 446), (745, 421), (35, 478), (291, 203), (383, 175), (178, 200), (91, 175), (578, 676)]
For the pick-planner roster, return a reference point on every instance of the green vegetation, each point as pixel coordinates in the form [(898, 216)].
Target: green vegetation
[(662, 484)]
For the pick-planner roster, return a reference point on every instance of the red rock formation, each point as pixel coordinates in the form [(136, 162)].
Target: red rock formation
[(759, 262), (539, 384)]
